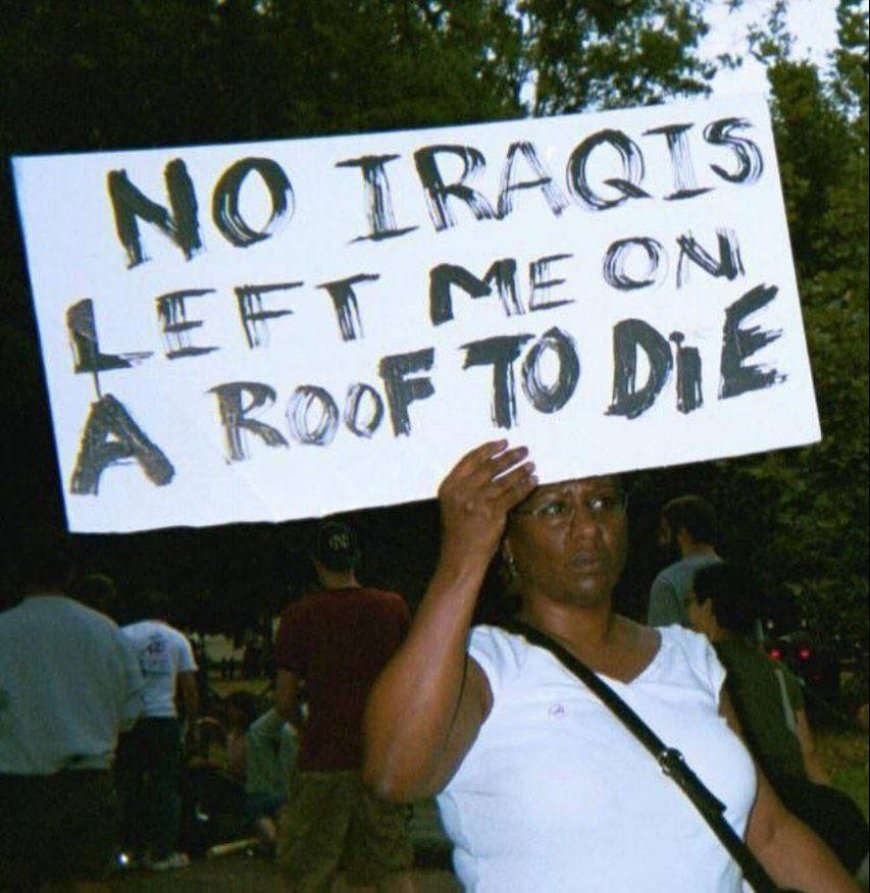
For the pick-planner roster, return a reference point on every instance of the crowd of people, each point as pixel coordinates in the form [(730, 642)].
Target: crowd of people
[(111, 755), (114, 753), (106, 760)]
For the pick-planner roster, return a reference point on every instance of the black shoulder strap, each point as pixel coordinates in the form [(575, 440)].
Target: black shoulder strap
[(670, 760)]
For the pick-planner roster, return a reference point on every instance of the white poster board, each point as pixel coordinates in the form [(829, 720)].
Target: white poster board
[(281, 330)]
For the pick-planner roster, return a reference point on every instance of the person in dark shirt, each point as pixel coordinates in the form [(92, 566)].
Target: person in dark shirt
[(769, 702), (336, 641)]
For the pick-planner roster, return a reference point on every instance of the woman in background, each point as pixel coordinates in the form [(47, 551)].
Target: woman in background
[(769, 702)]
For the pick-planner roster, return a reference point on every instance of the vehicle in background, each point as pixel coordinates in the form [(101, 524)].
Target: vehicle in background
[(817, 666)]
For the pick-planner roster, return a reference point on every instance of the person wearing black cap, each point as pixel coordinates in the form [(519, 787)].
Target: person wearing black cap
[(337, 641)]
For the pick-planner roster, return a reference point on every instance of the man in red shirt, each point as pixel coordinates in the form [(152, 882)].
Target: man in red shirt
[(337, 641)]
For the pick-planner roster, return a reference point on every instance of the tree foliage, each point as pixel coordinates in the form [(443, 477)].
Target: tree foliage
[(824, 505), (612, 52), (807, 530)]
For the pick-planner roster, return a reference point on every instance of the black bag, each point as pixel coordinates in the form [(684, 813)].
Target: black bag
[(830, 813)]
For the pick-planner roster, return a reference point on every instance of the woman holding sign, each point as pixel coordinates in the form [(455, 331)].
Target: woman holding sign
[(540, 786)]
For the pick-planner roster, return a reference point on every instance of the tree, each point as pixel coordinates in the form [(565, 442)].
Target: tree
[(826, 506), (611, 53), (109, 74), (811, 535)]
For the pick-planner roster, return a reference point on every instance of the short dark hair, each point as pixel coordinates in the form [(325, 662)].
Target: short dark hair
[(695, 515), (246, 703), (44, 559), (154, 604), (735, 598), (97, 591)]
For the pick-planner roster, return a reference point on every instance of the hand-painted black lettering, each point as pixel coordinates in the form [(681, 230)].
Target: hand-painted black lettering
[(621, 253), (541, 284), (225, 201), (180, 225), (750, 161), (690, 393), (401, 390), (437, 191), (444, 276), (631, 159), (176, 327), (312, 416), (629, 336), (82, 328), (729, 265), (363, 421), (500, 353), (379, 204), (254, 318), (738, 344), (556, 199), (346, 305), (551, 397), (111, 437), (234, 416), (681, 161)]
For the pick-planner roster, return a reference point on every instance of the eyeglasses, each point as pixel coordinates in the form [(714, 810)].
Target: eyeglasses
[(560, 509)]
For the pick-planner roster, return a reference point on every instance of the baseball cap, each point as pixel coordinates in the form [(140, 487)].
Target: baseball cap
[(336, 546)]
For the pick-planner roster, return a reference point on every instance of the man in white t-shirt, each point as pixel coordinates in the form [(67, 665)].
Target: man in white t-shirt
[(149, 758), (69, 684)]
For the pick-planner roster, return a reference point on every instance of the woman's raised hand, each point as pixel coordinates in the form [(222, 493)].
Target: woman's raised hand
[(477, 495)]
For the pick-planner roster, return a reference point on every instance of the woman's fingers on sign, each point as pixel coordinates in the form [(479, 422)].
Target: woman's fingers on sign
[(484, 485)]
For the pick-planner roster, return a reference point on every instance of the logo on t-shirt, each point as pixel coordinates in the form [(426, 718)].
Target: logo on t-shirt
[(154, 659)]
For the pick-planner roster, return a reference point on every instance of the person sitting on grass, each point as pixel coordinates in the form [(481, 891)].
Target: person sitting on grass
[(239, 779), (272, 748)]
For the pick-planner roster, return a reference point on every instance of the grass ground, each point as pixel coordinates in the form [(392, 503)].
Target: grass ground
[(845, 753)]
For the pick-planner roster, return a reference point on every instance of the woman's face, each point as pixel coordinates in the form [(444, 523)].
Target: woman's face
[(567, 542)]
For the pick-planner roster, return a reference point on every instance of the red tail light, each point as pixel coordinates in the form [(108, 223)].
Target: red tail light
[(776, 654), (804, 654)]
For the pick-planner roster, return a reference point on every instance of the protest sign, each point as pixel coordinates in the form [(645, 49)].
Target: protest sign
[(279, 330)]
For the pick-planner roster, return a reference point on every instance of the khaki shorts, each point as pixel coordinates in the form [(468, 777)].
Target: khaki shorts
[(332, 823)]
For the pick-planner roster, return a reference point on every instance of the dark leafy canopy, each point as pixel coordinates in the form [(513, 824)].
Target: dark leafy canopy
[(804, 525), (101, 74), (612, 52), (824, 508), (799, 518)]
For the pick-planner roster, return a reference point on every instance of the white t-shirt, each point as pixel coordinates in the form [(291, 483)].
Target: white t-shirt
[(163, 653), (556, 796), (69, 684)]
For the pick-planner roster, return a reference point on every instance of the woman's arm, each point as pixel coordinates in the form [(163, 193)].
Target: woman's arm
[(789, 851), (792, 855), (427, 706)]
